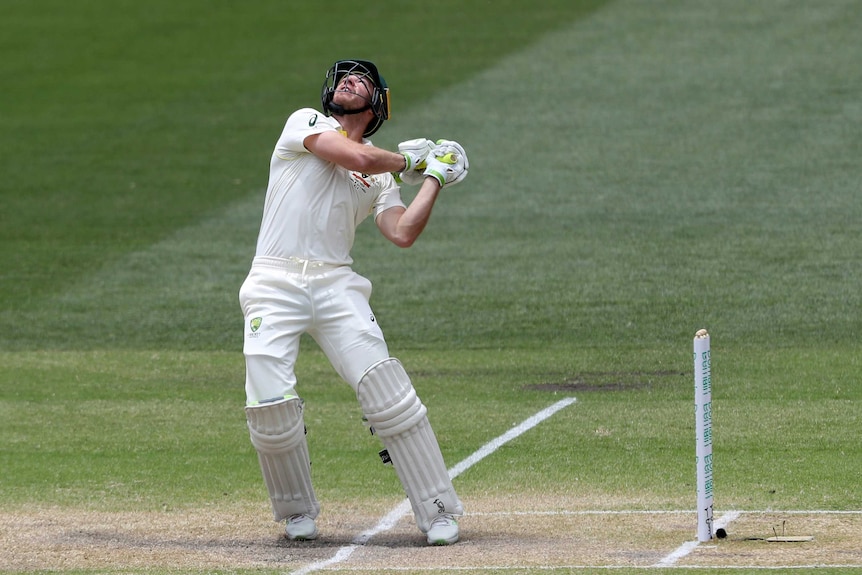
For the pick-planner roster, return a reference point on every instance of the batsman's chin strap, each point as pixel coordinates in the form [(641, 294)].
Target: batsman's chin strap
[(340, 111)]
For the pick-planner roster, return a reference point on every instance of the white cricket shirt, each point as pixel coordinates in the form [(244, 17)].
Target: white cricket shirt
[(312, 206)]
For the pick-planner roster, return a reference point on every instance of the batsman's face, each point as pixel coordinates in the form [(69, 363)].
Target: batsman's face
[(352, 92)]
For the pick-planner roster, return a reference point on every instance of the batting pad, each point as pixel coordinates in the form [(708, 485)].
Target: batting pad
[(278, 434), (399, 418)]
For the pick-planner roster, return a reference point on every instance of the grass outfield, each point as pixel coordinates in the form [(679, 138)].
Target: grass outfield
[(639, 170)]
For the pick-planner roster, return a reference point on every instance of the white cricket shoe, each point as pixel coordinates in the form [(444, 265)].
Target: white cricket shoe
[(300, 528), (444, 530)]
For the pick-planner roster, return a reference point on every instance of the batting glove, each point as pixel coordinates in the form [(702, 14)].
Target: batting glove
[(447, 162), (415, 152)]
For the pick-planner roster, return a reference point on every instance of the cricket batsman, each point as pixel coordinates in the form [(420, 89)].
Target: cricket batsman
[(325, 178)]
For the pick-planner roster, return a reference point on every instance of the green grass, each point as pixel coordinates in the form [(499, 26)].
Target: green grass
[(639, 170), (168, 427), (124, 122)]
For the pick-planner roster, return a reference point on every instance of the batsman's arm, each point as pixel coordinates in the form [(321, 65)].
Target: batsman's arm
[(333, 147), (402, 226)]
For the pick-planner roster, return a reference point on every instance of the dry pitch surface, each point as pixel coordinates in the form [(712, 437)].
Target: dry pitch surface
[(549, 537)]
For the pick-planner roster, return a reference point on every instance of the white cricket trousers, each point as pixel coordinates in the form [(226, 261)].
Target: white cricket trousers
[(283, 298)]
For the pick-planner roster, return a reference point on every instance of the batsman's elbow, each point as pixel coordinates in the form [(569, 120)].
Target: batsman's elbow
[(398, 229), (403, 241)]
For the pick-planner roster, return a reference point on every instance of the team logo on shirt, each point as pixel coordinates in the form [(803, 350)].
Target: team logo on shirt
[(254, 324), (361, 182)]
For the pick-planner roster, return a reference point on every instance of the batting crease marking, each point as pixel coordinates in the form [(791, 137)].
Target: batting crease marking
[(690, 546), (667, 512), (392, 518), (519, 568)]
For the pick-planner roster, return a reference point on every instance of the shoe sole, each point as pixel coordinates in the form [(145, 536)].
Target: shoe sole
[(302, 537), (442, 542)]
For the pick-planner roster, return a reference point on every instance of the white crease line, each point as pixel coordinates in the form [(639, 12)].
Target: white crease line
[(392, 518), (584, 512), (809, 511), (690, 546), (666, 512), (558, 568), (677, 554), (495, 444)]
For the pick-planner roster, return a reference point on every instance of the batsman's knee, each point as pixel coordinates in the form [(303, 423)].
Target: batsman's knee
[(388, 398)]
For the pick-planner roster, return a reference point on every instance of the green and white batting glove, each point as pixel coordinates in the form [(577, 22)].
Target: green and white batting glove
[(447, 162), (415, 152)]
